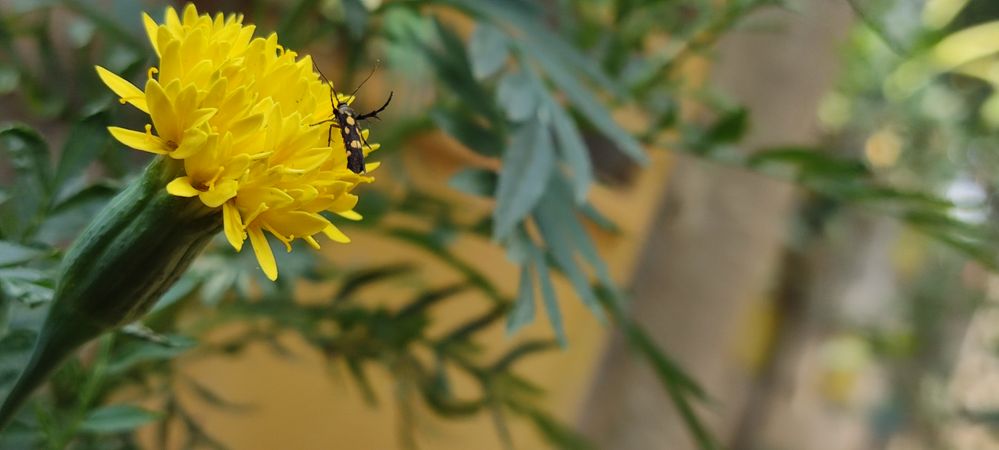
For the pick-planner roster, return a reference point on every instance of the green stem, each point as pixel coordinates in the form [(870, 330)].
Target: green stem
[(132, 252)]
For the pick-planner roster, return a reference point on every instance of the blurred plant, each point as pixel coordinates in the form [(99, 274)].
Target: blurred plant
[(911, 113), (535, 85)]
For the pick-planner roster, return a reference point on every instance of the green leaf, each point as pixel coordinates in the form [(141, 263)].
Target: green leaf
[(573, 150), (28, 286), (292, 17), (218, 283), (679, 386), (446, 53), (808, 162), (422, 240), (518, 95), (587, 104), (879, 194), (466, 330), (139, 352), (550, 299), (472, 133), (357, 280), (14, 254), (557, 230), (180, 290), (522, 350), (9, 79), (430, 298), (488, 49), (519, 246), (536, 36), (897, 29), (573, 230), (15, 351), (356, 18), (66, 219), (559, 435), (598, 218), (109, 24), (117, 419), (208, 395), (523, 309), (86, 141), (29, 157), (479, 182), (729, 128), (356, 371), (527, 166), (499, 422)]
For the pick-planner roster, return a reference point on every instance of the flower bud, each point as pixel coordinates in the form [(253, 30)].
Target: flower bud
[(135, 248)]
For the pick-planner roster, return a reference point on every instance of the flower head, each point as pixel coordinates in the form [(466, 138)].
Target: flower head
[(240, 112)]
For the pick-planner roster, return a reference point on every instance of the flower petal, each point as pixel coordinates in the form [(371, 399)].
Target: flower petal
[(139, 140), (161, 111), (181, 187), (312, 242), (335, 234), (120, 86), (262, 249), (192, 142), (219, 194), (350, 215), (297, 223), (345, 202), (233, 226), (151, 27)]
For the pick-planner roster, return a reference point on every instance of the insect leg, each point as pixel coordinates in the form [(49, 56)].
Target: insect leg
[(374, 114), (332, 121)]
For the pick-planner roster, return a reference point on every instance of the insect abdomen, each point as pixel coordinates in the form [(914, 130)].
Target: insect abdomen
[(352, 141)]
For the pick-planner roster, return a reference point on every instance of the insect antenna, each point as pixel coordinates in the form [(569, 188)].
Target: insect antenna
[(334, 96), (377, 63)]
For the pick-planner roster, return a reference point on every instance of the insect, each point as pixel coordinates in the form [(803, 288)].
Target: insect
[(346, 120)]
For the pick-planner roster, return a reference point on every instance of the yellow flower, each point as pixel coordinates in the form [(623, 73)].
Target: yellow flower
[(239, 111)]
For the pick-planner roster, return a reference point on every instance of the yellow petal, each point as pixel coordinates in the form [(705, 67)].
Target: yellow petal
[(371, 166), (247, 125), (335, 234), (181, 187), (170, 65), (297, 223), (172, 20), (236, 166), (184, 104), (371, 147), (350, 215), (151, 27), (312, 242), (190, 14), (192, 142), (139, 140), (345, 202), (221, 193), (233, 226), (120, 86), (161, 111), (262, 249)]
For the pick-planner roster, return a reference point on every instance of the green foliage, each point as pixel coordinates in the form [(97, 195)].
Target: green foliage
[(529, 87)]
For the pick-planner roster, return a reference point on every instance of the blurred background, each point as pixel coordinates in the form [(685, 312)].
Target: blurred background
[(612, 224)]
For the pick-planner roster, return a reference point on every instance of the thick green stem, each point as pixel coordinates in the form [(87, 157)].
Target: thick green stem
[(132, 252)]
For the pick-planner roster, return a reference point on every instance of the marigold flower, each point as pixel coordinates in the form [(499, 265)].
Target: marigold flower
[(234, 126), (237, 110)]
